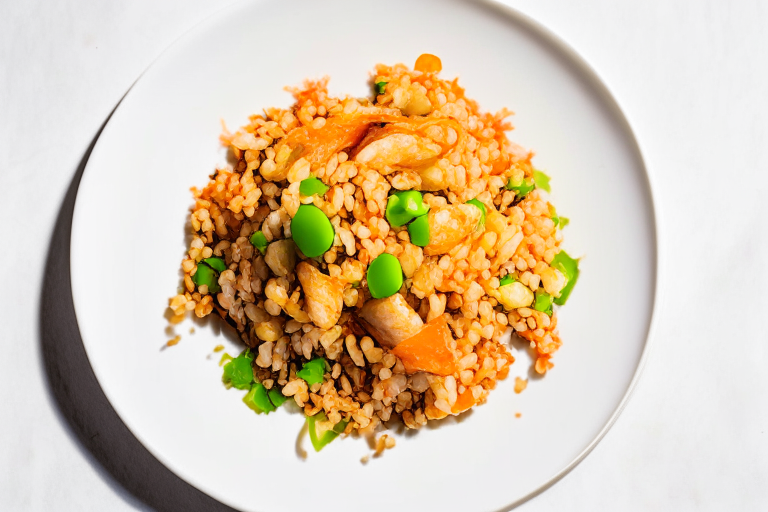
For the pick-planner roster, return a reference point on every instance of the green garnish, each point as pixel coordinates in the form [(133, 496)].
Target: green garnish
[(381, 87), (564, 221), (216, 264), (521, 188), (542, 180), (476, 202), (239, 372), (570, 269), (276, 397), (320, 437), (313, 186), (543, 302), (419, 231), (402, 207), (257, 399), (312, 231), (385, 276), (207, 276), (507, 279), (312, 371), (553, 215), (225, 358), (259, 241)]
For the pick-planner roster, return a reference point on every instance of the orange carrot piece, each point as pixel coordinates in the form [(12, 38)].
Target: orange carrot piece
[(429, 350), (464, 401), (428, 63)]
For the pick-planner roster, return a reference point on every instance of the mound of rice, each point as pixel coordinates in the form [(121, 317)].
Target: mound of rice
[(421, 133)]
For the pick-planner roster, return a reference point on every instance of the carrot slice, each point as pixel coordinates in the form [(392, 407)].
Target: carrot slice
[(429, 350), (463, 402)]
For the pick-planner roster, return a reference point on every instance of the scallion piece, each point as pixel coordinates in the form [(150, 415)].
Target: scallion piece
[(257, 399), (543, 302), (521, 188), (381, 87), (216, 264), (476, 202)]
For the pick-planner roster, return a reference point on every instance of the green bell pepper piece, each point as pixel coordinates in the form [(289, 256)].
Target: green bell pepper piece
[(239, 372), (313, 186), (322, 437), (276, 397), (541, 180), (570, 269), (257, 399), (543, 302), (312, 371)]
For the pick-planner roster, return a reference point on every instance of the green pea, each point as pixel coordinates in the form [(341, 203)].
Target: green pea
[(312, 186), (419, 231), (216, 264), (385, 276), (521, 188), (404, 206), (312, 231), (205, 275), (543, 302), (259, 241), (476, 202)]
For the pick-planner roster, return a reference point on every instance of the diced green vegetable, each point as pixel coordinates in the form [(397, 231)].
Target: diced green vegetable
[(476, 202), (385, 276), (225, 358), (276, 397), (542, 180), (257, 399), (553, 215), (381, 87), (507, 279), (312, 231), (259, 241), (216, 264), (543, 302), (521, 188), (319, 434), (419, 231), (205, 275), (313, 186), (570, 269), (239, 372), (402, 207), (312, 371), (564, 221)]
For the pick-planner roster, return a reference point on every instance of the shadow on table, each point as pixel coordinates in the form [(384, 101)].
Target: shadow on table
[(135, 473)]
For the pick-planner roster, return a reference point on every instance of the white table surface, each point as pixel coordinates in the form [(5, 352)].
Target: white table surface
[(692, 78)]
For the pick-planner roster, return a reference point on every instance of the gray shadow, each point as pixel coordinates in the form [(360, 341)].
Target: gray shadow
[(119, 458)]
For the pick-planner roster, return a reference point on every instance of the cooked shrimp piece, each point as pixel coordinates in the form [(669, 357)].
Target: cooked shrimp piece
[(449, 225), (398, 150), (323, 295), (390, 320)]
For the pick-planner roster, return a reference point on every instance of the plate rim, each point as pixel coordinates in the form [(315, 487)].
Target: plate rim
[(596, 83)]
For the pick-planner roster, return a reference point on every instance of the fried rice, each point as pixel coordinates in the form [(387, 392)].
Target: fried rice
[(418, 132)]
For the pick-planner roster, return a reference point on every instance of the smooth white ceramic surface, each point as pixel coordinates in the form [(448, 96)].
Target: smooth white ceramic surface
[(128, 238)]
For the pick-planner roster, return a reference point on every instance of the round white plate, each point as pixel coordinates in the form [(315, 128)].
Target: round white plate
[(128, 238)]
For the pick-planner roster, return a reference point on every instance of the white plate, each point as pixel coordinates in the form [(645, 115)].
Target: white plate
[(128, 239)]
